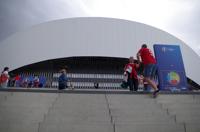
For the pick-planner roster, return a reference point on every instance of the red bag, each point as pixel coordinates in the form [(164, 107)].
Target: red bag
[(3, 78)]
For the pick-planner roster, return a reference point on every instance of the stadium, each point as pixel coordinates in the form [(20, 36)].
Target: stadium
[(94, 49)]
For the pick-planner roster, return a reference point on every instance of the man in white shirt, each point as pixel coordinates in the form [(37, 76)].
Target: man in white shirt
[(4, 78)]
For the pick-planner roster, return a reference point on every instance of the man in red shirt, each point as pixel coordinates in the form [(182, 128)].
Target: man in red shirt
[(16, 80), (130, 70), (145, 56)]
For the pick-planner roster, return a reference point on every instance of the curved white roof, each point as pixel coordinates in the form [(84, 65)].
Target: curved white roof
[(88, 37)]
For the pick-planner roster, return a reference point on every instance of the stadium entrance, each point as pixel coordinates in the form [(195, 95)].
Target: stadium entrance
[(83, 72)]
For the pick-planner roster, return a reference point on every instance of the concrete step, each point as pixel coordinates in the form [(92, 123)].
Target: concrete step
[(32, 95), (19, 108), (181, 106), (27, 101), (136, 98), (183, 109), (149, 128), (19, 127), (66, 127), (138, 111), (4, 96), (138, 108), (98, 112), (175, 96), (143, 119), (197, 97), (179, 99), (188, 119), (184, 112), (77, 119), (81, 107), (34, 118), (77, 98), (78, 113), (192, 127), (32, 98)]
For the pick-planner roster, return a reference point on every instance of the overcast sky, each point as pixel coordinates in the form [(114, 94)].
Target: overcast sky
[(181, 18)]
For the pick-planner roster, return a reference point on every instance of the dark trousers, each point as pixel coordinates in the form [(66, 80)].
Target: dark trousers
[(133, 83), (62, 86)]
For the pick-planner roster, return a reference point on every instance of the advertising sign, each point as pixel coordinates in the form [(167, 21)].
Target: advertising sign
[(171, 72)]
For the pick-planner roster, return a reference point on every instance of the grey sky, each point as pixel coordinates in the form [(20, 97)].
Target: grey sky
[(178, 17), (15, 15)]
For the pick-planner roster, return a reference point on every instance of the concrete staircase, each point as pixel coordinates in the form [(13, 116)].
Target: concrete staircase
[(76, 112)]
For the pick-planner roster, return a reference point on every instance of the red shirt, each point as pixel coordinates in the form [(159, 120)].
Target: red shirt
[(147, 56), (17, 78), (130, 67)]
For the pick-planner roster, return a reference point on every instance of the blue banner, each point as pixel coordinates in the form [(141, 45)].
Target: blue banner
[(171, 72)]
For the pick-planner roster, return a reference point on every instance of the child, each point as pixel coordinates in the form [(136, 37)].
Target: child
[(131, 74)]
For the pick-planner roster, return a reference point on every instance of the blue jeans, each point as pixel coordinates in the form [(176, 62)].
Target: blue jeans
[(4, 85)]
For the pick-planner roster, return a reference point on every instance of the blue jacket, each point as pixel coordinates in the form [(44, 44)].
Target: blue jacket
[(63, 79)]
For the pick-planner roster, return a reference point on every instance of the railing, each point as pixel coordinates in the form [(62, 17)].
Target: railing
[(89, 81), (78, 80)]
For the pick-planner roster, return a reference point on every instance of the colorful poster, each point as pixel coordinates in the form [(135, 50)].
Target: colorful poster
[(171, 72)]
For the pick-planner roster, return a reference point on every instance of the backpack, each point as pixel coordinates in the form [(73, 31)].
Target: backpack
[(3, 78)]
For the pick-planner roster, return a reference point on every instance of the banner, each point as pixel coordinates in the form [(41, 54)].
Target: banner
[(171, 72)]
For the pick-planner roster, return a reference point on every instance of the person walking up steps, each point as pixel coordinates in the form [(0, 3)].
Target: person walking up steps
[(146, 57)]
